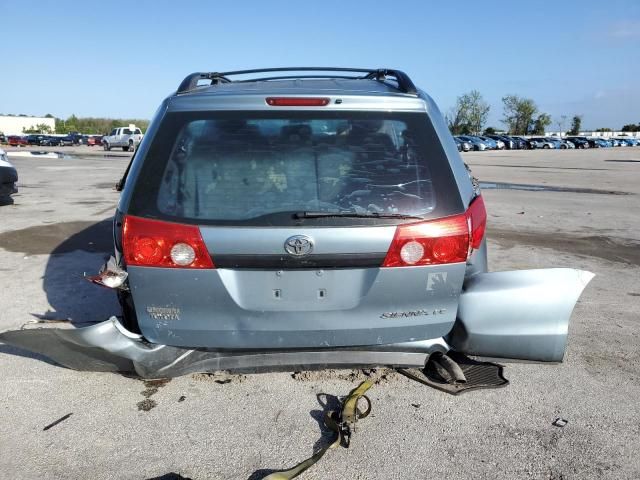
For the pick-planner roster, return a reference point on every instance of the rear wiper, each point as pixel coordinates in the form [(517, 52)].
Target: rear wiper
[(355, 215)]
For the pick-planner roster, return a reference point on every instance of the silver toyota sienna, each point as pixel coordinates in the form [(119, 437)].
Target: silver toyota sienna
[(306, 218)]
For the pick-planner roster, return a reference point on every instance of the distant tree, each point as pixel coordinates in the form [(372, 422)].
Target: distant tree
[(96, 125), (576, 125), (518, 114), (39, 128), (469, 114), (458, 117), (48, 115), (604, 129), (478, 111), (541, 123), (631, 128), (489, 131)]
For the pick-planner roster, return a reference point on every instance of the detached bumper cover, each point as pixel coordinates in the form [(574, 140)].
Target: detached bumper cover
[(518, 315), (521, 315), (109, 347)]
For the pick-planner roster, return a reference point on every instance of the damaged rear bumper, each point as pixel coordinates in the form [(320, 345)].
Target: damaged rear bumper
[(109, 347), (517, 315)]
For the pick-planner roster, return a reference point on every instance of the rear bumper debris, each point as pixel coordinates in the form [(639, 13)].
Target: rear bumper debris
[(519, 315), (515, 315), (109, 347)]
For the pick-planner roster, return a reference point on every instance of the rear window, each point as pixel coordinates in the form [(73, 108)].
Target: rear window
[(265, 167)]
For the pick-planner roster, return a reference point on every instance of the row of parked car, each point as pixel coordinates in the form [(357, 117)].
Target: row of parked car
[(51, 140), (466, 143)]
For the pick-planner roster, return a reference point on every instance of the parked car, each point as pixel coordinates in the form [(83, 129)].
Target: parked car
[(34, 139), (477, 144), (16, 141), (601, 142), (257, 230), (628, 141), (50, 141), (68, 140), (3, 138), (128, 138), (94, 140), (578, 142), (544, 143), (491, 143), (462, 145), (524, 143), (506, 141), (8, 177), (566, 144)]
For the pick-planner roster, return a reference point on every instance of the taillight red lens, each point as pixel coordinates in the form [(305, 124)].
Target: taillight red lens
[(297, 101), (436, 242), (445, 240), (478, 217), (153, 243)]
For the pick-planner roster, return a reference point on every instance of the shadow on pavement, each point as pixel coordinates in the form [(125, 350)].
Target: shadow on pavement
[(73, 248)]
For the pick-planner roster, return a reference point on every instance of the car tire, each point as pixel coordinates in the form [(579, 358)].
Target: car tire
[(106, 147), (546, 147), (131, 147), (563, 147)]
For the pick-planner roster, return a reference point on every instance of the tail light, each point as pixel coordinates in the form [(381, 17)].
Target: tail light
[(477, 215), (437, 242), (297, 101), (154, 243)]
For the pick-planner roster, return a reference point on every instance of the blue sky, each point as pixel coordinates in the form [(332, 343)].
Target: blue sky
[(119, 59)]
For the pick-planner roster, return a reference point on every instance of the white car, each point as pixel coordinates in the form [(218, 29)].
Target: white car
[(126, 137), (8, 176)]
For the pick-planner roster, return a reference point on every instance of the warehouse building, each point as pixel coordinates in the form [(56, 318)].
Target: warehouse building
[(16, 125)]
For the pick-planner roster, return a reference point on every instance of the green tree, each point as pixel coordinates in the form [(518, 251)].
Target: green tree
[(478, 111), (39, 128), (469, 114), (458, 117), (631, 128), (576, 125), (518, 114), (489, 131), (604, 129), (541, 123)]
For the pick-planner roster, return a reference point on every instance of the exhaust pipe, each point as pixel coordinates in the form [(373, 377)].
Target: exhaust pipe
[(519, 315)]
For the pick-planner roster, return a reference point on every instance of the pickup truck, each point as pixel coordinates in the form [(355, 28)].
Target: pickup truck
[(126, 137)]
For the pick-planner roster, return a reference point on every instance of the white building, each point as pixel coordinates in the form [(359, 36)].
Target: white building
[(14, 125)]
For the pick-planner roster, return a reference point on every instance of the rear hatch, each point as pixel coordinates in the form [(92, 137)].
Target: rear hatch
[(296, 224)]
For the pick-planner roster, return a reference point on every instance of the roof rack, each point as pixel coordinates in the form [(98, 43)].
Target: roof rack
[(405, 85)]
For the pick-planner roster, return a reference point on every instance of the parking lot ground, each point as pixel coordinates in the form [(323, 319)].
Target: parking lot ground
[(239, 426)]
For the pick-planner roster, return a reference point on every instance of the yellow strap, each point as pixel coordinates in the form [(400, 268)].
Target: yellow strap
[(350, 414)]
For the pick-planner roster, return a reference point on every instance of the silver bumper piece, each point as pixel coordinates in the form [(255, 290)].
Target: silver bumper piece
[(521, 314), (109, 347)]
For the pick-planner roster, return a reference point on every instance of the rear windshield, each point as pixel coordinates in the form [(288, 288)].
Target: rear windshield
[(256, 168)]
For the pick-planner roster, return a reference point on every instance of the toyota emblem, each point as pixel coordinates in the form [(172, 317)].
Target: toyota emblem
[(298, 245)]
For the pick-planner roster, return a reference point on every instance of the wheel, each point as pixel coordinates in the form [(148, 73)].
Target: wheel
[(106, 146), (564, 147), (131, 148), (546, 147)]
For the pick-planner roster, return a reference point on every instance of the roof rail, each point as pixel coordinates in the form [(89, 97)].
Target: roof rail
[(405, 85)]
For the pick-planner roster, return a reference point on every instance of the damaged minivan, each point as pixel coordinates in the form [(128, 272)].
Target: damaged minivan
[(303, 218)]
